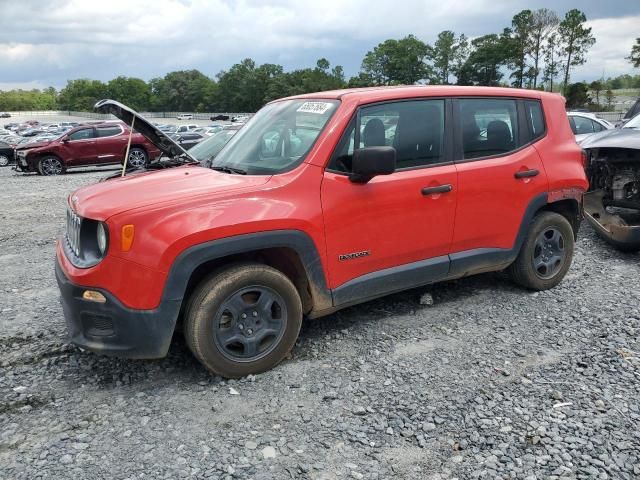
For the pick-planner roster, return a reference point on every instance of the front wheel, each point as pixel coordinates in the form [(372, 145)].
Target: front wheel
[(243, 320), (50, 166), (545, 256), (4, 160)]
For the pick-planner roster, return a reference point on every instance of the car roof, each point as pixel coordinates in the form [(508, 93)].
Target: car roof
[(375, 94)]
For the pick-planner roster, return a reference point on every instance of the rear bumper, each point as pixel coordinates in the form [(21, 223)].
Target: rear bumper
[(110, 328), (610, 227)]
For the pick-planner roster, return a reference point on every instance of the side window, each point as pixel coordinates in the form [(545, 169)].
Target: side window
[(414, 128), (597, 127), (583, 125), (83, 134), (108, 131), (489, 126), (573, 125), (535, 118)]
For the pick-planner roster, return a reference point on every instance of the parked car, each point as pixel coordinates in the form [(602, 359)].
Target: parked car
[(32, 132), (185, 116), (612, 205), (7, 154), (322, 218), (208, 149), (189, 139), (100, 144), (585, 124), (5, 115), (631, 113), (11, 126), (185, 128)]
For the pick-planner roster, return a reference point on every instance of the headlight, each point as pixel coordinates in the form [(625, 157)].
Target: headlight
[(101, 233)]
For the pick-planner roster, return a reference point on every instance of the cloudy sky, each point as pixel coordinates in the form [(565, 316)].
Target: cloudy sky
[(47, 42)]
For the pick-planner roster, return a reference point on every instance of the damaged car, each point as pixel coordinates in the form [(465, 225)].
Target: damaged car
[(612, 205)]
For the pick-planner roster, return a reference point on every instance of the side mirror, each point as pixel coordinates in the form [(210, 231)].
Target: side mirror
[(372, 161), (65, 140)]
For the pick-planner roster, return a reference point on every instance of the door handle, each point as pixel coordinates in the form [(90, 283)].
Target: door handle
[(527, 173), (439, 189)]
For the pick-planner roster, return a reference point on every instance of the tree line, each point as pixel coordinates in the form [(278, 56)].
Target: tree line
[(538, 50)]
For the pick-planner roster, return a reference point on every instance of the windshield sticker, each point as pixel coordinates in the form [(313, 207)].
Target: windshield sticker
[(315, 107)]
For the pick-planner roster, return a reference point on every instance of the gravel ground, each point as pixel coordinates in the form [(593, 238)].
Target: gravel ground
[(484, 381)]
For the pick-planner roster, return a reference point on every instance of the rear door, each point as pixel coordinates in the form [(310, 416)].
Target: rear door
[(394, 221), (80, 147), (499, 171), (111, 144)]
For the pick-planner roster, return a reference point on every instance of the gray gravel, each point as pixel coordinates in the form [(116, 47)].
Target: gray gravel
[(484, 380)]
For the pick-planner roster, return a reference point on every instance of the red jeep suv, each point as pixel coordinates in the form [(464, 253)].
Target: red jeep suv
[(103, 143), (319, 202)]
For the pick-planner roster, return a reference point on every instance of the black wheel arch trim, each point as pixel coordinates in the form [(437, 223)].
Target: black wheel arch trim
[(190, 259)]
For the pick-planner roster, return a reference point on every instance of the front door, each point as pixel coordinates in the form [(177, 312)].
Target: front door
[(80, 147), (396, 228)]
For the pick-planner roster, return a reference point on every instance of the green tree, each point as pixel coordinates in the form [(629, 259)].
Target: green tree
[(397, 62), (182, 91), (81, 94), (634, 58), (544, 23), (447, 55), (551, 61), (577, 95), (16, 100), (489, 54), (610, 97), (518, 45), (575, 40), (245, 87), (596, 87), (133, 92)]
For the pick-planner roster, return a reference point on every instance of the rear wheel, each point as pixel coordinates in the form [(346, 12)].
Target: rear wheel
[(50, 165), (243, 320), (545, 256), (4, 160), (137, 158)]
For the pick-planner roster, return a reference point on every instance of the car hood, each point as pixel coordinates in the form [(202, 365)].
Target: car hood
[(616, 138), (162, 141), (28, 146), (102, 200)]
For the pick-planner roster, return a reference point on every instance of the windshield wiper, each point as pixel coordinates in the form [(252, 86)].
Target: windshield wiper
[(226, 169)]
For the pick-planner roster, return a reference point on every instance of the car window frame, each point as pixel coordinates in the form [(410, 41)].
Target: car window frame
[(447, 137), (524, 134)]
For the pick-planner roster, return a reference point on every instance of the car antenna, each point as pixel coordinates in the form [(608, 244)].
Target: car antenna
[(126, 156)]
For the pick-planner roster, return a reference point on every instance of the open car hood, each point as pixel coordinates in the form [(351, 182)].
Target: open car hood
[(616, 138), (165, 144)]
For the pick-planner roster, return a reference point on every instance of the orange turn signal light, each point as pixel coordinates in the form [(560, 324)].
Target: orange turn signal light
[(127, 237), (93, 296)]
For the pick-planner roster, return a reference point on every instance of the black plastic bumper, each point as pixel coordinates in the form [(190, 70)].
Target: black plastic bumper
[(110, 328)]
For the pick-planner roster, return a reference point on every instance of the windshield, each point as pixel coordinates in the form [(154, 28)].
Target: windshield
[(277, 138), (633, 123), (211, 146)]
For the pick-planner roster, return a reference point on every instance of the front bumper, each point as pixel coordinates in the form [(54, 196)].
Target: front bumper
[(110, 328), (610, 227)]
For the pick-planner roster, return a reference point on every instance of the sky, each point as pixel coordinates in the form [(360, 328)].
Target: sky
[(47, 42)]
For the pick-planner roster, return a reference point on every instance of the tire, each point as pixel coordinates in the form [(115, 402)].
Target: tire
[(546, 254), (243, 320), (4, 160), (138, 158), (50, 165)]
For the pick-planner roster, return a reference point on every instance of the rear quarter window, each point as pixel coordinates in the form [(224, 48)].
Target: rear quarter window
[(535, 119)]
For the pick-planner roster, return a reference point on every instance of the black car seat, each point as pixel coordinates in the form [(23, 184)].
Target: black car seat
[(417, 139), (373, 133), (498, 137)]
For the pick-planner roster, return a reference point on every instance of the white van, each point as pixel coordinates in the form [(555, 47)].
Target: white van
[(185, 116)]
